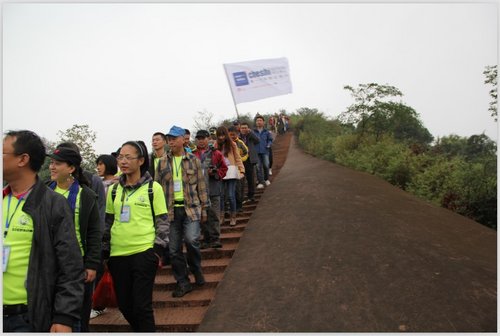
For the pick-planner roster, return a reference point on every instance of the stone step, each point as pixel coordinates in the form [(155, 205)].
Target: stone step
[(166, 282), (208, 266), (228, 229), (226, 251), (197, 298), (167, 319)]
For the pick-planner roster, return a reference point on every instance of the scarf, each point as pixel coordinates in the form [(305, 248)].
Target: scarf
[(73, 193)]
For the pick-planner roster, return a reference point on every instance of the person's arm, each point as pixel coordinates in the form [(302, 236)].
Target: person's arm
[(239, 162), (98, 188), (244, 150), (254, 138), (221, 164), (93, 240), (108, 223), (202, 191), (68, 295), (269, 139), (162, 226)]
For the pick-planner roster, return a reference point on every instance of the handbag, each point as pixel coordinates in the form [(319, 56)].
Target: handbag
[(104, 294), (232, 173)]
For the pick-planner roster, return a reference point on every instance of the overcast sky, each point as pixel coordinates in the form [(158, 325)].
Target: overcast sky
[(129, 70)]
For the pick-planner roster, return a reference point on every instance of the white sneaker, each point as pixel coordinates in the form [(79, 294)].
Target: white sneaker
[(94, 313), (270, 171), (267, 182), (260, 186)]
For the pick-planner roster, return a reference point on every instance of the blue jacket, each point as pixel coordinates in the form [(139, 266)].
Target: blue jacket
[(266, 140)]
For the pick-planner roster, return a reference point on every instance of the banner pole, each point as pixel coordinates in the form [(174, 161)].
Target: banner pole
[(232, 94), (237, 114)]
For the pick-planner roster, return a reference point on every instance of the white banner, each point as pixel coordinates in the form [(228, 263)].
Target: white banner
[(259, 79)]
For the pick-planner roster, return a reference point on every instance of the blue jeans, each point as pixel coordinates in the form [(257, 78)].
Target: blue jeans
[(230, 188), (182, 228), (263, 168), (16, 323)]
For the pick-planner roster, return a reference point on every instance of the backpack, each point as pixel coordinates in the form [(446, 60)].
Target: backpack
[(150, 194)]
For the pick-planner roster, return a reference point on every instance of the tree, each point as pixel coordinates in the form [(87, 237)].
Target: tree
[(44, 172), (367, 98), (204, 120), (491, 78), (84, 138)]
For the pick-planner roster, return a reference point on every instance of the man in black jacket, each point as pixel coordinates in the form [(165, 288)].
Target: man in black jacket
[(42, 263)]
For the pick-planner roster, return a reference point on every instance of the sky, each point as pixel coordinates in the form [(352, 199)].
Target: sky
[(131, 69)]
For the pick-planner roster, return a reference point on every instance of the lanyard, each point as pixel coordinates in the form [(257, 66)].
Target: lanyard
[(178, 168), (124, 192), (9, 220)]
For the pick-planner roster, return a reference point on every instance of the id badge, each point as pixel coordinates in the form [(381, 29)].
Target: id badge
[(5, 257), (125, 214), (177, 186)]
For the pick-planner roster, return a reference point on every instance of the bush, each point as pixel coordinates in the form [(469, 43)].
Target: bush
[(459, 174)]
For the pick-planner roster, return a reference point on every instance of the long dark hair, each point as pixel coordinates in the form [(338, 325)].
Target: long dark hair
[(225, 147), (142, 152)]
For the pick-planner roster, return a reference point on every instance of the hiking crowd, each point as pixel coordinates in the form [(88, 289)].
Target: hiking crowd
[(129, 219)]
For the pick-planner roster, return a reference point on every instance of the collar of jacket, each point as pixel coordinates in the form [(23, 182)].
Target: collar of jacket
[(144, 179), (186, 156), (35, 197)]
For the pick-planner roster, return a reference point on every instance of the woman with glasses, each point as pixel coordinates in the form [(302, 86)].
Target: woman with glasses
[(68, 180), (135, 235)]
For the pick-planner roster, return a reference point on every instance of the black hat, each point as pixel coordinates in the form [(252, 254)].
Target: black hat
[(236, 122), (202, 134), (66, 154)]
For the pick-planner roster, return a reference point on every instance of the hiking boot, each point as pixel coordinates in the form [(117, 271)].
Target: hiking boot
[(260, 186), (199, 279), (204, 245), (181, 290), (216, 245)]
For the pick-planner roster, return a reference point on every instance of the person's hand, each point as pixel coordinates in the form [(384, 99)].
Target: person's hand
[(60, 328), (90, 275)]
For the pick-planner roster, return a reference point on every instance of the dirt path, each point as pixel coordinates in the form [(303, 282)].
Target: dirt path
[(332, 249)]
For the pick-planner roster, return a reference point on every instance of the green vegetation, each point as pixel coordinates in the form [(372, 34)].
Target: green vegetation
[(386, 138)]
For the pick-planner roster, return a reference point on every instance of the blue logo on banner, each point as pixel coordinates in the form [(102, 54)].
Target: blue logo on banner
[(240, 78)]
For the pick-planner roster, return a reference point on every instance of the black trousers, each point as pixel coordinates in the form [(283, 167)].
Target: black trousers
[(133, 279), (250, 176), (87, 306)]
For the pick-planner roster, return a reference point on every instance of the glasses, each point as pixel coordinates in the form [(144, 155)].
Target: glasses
[(125, 158)]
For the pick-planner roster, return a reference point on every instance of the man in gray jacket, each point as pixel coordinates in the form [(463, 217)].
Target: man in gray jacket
[(42, 263)]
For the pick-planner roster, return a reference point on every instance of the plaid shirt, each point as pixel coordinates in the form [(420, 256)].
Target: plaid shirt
[(196, 200)]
